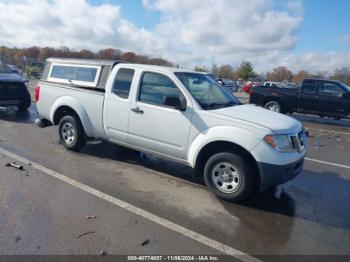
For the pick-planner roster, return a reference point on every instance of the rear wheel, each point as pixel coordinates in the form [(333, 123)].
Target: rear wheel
[(229, 177), (71, 133), (273, 106)]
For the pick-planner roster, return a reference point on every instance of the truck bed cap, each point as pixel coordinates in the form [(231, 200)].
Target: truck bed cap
[(95, 62)]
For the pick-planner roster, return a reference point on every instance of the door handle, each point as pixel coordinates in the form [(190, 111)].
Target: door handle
[(137, 110)]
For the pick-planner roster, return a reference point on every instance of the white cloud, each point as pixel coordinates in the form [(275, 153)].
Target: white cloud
[(189, 31), (69, 23), (296, 7)]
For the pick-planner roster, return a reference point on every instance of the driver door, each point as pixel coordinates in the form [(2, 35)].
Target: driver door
[(155, 127), (332, 100)]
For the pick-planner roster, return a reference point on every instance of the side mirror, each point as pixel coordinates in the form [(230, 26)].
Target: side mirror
[(175, 102), (345, 95)]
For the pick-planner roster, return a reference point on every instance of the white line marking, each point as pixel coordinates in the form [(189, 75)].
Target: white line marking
[(326, 130), (138, 211), (327, 163)]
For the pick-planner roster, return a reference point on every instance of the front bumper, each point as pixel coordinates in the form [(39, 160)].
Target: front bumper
[(273, 175)]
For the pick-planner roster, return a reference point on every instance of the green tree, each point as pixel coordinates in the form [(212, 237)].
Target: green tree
[(246, 71)]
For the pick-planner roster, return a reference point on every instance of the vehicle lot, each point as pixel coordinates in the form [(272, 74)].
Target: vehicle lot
[(308, 215)]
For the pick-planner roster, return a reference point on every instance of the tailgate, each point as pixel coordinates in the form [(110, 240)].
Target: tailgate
[(12, 90)]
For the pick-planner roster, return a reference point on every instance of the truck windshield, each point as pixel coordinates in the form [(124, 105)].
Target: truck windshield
[(208, 93)]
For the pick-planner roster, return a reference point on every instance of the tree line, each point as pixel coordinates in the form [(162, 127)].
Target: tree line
[(246, 72), (19, 55)]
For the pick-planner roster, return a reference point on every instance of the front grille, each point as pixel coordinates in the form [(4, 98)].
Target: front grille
[(298, 141)]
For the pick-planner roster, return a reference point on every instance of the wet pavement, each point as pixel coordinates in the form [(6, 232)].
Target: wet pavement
[(306, 216)]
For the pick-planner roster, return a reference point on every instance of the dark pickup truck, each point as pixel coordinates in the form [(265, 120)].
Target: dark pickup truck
[(319, 97), (13, 91)]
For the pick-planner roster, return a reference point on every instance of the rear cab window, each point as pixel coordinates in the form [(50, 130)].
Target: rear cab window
[(309, 87), (75, 74), (122, 82)]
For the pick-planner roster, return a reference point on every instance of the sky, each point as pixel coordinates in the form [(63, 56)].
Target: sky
[(300, 34)]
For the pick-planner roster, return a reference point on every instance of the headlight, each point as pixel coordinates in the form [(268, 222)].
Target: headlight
[(281, 143)]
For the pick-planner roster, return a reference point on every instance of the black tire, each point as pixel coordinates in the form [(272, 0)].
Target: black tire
[(274, 106), (25, 104), (248, 178), (77, 139)]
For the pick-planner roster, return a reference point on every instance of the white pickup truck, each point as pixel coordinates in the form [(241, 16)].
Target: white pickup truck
[(177, 114)]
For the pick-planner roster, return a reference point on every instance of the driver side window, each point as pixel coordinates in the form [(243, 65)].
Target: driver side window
[(155, 87), (330, 89)]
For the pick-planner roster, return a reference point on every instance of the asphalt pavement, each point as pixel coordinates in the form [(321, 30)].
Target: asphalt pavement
[(40, 213)]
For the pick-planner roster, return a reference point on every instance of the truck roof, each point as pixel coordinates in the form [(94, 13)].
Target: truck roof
[(162, 68), (112, 63), (321, 79), (106, 67)]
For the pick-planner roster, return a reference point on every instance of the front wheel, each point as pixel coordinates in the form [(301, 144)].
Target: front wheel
[(71, 133), (273, 106), (229, 177)]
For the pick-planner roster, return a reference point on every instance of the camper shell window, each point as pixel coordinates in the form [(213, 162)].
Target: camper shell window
[(81, 75)]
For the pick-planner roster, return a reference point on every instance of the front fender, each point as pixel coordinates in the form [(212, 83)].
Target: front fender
[(236, 135), (78, 108)]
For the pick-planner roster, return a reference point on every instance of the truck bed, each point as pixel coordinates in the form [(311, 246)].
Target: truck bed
[(286, 96), (93, 101)]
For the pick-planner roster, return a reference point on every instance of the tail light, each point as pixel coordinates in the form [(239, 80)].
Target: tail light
[(37, 93)]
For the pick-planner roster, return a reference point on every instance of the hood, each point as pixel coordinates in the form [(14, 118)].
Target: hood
[(278, 123)]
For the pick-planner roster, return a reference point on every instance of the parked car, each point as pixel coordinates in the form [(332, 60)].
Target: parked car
[(230, 85), (279, 84), (14, 69), (272, 84), (177, 114), (314, 96), (13, 91), (35, 69)]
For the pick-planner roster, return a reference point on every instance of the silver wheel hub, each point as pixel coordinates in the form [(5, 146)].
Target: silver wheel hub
[(226, 177), (68, 133), (273, 107)]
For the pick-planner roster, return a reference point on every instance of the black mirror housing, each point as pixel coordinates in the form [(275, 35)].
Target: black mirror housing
[(175, 102), (345, 95)]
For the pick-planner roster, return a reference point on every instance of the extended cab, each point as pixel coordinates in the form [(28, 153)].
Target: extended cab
[(314, 96), (177, 114)]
